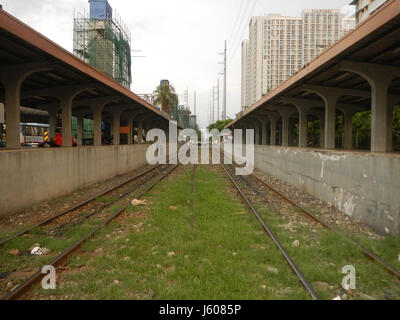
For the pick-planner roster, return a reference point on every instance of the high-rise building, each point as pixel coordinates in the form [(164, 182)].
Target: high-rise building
[(348, 24), (364, 8), (255, 57), (321, 28), (102, 40), (282, 50), (245, 73), (279, 46)]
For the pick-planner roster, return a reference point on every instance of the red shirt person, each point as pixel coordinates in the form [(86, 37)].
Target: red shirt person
[(58, 139)]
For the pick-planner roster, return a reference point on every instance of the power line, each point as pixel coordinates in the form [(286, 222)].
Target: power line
[(224, 74), (238, 15), (243, 23), (242, 35), (244, 29)]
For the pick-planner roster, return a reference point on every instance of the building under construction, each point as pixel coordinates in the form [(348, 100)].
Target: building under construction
[(102, 40)]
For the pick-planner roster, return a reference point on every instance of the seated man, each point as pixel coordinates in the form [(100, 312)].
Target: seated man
[(57, 141)]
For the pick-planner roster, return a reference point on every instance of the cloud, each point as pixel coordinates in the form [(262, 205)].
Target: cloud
[(181, 38)]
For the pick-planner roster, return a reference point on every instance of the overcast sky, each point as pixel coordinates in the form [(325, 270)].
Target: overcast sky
[(181, 39)]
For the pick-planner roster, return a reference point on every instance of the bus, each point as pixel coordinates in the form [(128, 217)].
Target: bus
[(31, 134)]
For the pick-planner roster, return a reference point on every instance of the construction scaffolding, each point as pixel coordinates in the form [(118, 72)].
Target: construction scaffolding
[(105, 44)]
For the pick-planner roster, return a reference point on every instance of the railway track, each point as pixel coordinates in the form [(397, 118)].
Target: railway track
[(61, 258), (370, 255), (306, 284), (328, 226), (83, 204)]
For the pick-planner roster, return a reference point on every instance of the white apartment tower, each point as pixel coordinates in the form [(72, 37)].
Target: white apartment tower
[(282, 50), (245, 73), (364, 8), (255, 60), (279, 46), (348, 24), (321, 28)]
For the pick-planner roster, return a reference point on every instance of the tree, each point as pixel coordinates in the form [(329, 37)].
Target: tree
[(362, 129), (165, 96), (219, 125)]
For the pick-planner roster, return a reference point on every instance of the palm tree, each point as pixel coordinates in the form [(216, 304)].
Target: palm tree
[(165, 96)]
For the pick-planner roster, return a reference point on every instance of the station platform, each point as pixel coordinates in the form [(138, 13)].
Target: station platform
[(30, 176), (363, 185)]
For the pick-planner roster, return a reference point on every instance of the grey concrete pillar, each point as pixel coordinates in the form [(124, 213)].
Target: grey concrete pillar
[(285, 129), (273, 131), (140, 131), (116, 127), (348, 130), (97, 126), (12, 100), (130, 135), (330, 121), (66, 109), (379, 118), (257, 132), (80, 130), (303, 128), (264, 133), (12, 77), (53, 119), (166, 130), (379, 77)]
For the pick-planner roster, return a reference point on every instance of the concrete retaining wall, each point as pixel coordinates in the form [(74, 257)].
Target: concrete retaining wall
[(31, 176), (363, 186)]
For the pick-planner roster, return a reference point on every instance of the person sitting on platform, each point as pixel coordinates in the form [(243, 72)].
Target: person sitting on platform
[(57, 141)]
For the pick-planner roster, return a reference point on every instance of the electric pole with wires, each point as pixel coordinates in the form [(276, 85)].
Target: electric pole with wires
[(218, 118), (224, 74), (213, 105)]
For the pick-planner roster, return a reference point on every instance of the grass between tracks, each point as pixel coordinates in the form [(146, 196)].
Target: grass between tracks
[(387, 247), (321, 255), (203, 243), (182, 245)]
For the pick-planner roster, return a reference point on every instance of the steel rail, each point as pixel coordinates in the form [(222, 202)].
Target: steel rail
[(79, 205), (309, 214), (27, 284), (270, 233)]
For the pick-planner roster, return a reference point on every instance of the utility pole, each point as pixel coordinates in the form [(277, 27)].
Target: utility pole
[(218, 100), (213, 105), (195, 112), (186, 98), (194, 107), (224, 74), (210, 114)]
